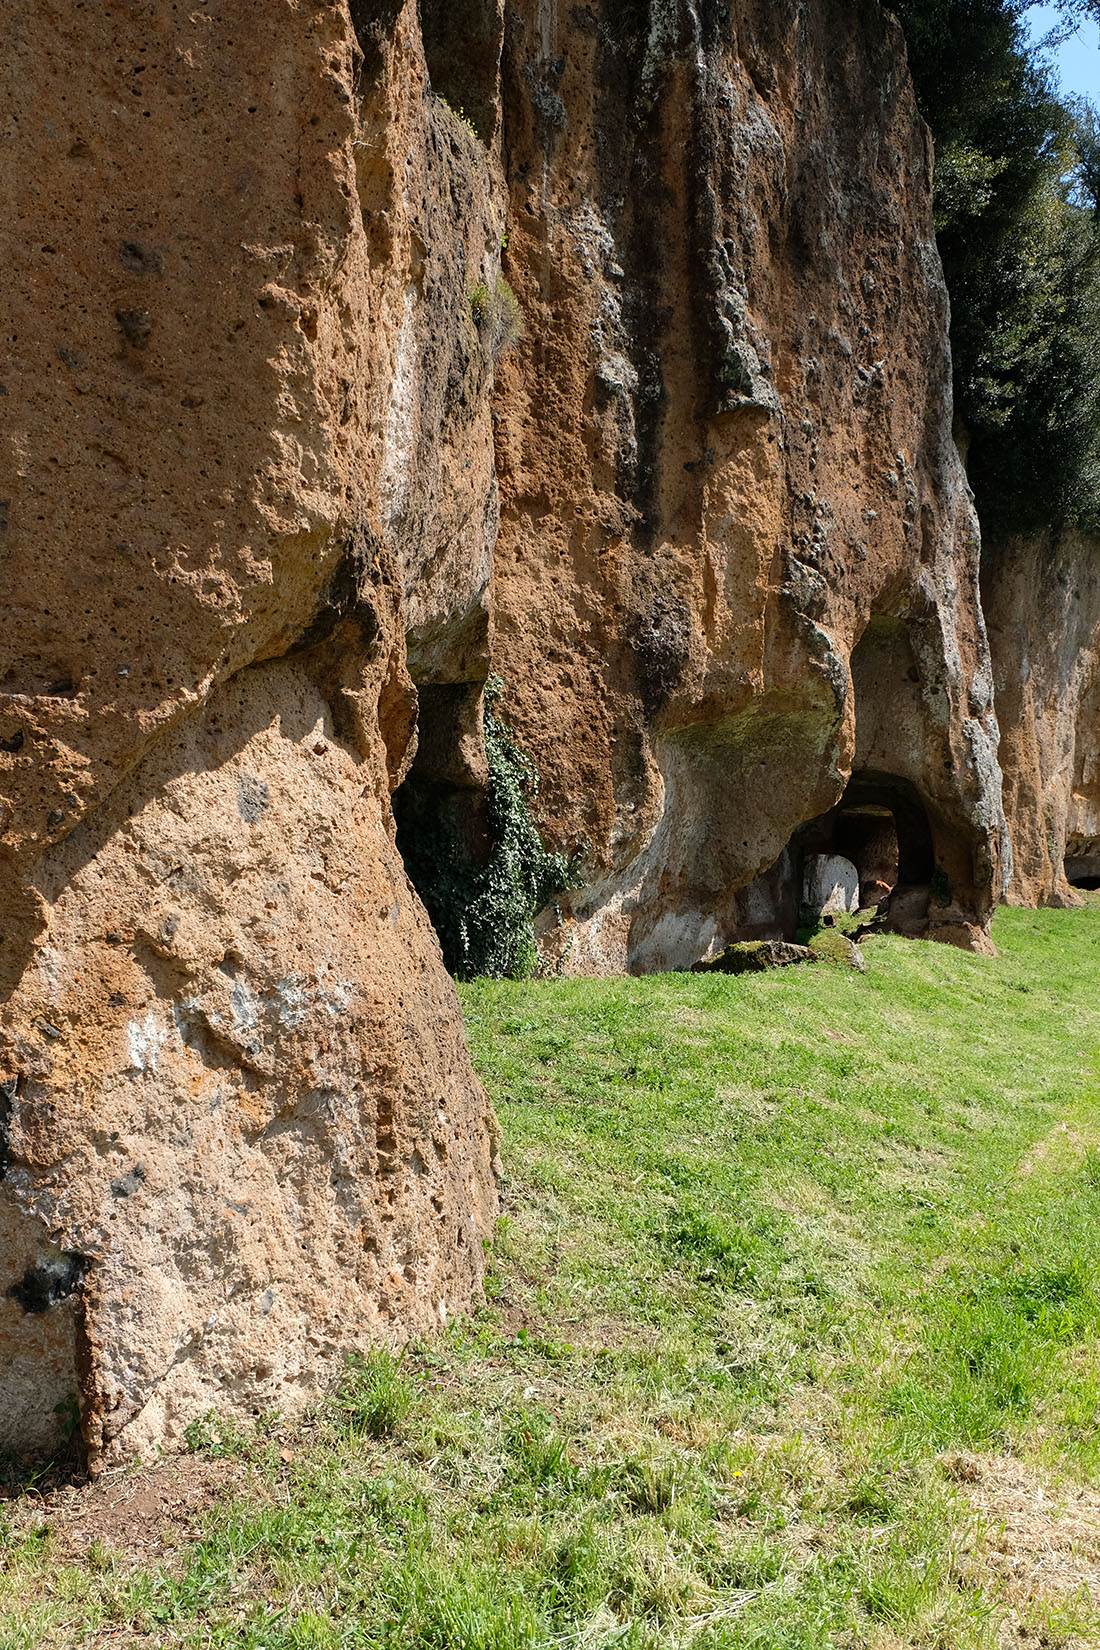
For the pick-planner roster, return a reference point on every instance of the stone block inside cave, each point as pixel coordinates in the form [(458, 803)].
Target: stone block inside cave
[(830, 885)]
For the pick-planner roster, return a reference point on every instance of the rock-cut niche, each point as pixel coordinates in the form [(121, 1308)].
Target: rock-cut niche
[(874, 849)]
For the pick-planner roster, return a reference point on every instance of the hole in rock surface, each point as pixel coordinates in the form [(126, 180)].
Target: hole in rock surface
[(52, 1278), (462, 48)]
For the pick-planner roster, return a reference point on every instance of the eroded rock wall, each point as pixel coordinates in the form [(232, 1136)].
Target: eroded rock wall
[(258, 442), (1042, 598), (247, 448), (737, 556)]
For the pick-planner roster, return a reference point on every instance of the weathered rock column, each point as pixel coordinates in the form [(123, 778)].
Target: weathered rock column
[(239, 1130), (1042, 596)]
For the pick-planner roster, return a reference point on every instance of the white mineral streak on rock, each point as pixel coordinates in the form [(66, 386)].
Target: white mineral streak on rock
[(146, 1039)]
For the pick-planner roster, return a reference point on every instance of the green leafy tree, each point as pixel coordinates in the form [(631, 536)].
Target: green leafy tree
[(1016, 201)]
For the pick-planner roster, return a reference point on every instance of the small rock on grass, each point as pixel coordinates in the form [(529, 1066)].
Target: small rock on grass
[(754, 957), (831, 946)]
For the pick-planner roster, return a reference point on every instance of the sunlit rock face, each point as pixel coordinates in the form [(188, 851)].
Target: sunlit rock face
[(737, 558), (245, 409), (1042, 597), (282, 486)]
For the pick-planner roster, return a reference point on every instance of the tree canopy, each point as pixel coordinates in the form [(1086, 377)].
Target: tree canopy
[(1017, 202)]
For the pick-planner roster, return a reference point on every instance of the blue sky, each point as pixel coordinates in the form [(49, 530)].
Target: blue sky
[(1077, 63)]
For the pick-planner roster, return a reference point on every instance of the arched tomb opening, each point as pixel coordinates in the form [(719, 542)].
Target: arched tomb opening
[(1082, 862), (874, 844)]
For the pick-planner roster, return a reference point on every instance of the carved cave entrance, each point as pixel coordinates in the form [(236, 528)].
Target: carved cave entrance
[(879, 826), (1082, 869)]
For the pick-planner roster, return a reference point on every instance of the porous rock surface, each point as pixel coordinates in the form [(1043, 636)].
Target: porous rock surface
[(738, 560), (257, 446), (1042, 600), (246, 454)]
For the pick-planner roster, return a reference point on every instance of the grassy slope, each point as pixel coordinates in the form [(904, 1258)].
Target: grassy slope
[(786, 1259)]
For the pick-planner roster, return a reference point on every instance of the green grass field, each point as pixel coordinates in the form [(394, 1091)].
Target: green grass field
[(791, 1341)]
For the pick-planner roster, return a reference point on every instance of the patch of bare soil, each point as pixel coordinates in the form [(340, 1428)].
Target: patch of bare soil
[(144, 1513), (1062, 1143), (1041, 1545)]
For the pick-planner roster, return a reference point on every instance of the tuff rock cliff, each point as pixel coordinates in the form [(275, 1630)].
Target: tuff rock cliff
[(736, 578), (278, 503), (249, 458), (1042, 599)]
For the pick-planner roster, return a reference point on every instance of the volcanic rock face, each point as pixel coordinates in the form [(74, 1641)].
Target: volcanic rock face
[(1042, 598), (737, 560), (257, 443), (245, 417)]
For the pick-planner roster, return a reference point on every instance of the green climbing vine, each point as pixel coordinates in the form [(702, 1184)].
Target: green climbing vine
[(484, 913)]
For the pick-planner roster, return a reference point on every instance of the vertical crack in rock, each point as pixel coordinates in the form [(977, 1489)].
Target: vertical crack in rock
[(8, 1091)]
